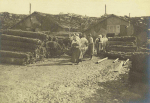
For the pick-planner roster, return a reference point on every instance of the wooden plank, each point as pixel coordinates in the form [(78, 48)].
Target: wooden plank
[(125, 62), (115, 60), (102, 60), (118, 68)]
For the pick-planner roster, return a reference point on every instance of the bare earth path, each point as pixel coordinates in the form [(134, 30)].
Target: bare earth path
[(55, 80)]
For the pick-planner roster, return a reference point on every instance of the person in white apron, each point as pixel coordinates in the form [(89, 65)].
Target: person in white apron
[(75, 47), (99, 44), (84, 46)]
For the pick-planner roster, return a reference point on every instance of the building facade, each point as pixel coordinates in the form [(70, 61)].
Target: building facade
[(111, 25)]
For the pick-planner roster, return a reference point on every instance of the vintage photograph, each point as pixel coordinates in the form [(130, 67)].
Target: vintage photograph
[(74, 51)]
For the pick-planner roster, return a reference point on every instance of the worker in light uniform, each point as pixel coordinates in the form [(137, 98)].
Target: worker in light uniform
[(90, 46), (105, 39), (75, 48), (77, 37), (84, 46), (99, 44)]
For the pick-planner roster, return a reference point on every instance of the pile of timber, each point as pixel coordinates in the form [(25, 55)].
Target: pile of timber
[(140, 67), (17, 42), (122, 44)]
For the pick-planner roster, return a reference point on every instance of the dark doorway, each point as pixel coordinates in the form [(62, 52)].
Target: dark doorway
[(110, 34), (123, 30)]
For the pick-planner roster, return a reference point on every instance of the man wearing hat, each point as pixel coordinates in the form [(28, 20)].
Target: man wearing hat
[(99, 44)]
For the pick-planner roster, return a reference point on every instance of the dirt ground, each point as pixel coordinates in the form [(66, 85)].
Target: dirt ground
[(56, 80)]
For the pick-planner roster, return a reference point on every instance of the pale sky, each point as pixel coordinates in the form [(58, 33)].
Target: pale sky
[(93, 8)]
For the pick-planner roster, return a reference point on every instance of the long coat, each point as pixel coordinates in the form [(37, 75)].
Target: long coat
[(75, 48)]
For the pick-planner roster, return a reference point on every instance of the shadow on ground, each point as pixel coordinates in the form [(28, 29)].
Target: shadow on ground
[(120, 91)]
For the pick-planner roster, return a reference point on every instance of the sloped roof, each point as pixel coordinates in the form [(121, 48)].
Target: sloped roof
[(104, 17)]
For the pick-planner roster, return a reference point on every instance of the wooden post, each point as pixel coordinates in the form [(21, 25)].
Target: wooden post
[(102, 60), (125, 62), (30, 9), (115, 60)]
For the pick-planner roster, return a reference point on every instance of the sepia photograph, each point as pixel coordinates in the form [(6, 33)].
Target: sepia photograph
[(74, 51)]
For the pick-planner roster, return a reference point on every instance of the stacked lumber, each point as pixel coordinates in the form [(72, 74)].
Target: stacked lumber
[(122, 44), (22, 42), (139, 70)]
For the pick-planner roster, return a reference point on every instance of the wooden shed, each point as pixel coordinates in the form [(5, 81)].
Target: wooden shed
[(42, 22), (111, 25)]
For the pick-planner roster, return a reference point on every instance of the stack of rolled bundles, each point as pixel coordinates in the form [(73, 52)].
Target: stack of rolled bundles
[(120, 55), (53, 49), (11, 57), (122, 48), (28, 34), (24, 42), (141, 49), (123, 44), (123, 38), (139, 70)]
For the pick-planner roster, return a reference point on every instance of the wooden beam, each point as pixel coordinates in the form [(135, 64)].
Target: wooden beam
[(115, 60), (125, 62), (102, 60)]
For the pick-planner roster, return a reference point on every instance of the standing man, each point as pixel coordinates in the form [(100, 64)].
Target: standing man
[(105, 39), (90, 46), (84, 45), (99, 44)]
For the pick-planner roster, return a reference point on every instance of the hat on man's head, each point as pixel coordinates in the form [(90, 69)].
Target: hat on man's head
[(100, 36)]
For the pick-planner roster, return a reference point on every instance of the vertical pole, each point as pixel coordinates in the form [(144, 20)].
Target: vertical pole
[(105, 8), (129, 19), (30, 9)]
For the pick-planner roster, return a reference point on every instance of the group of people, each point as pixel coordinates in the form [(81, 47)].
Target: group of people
[(80, 46)]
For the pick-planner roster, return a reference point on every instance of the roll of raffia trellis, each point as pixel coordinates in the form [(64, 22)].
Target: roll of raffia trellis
[(20, 39), (140, 62), (121, 48), (19, 44), (15, 43), (16, 61), (143, 49), (28, 34), (139, 71), (123, 38), (120, 55), (53, 48), (18, 49), (120, 43), (9, 54)]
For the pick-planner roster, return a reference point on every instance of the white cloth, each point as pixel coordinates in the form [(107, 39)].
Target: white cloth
[(78, 39), (83, 42)]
